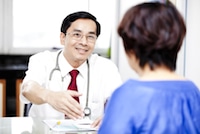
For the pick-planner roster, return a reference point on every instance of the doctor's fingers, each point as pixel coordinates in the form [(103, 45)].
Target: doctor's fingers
[(74, 93), (73, 110), (71, 102), (73, 115)]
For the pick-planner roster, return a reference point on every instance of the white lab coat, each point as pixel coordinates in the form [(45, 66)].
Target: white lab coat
[(104, 79)]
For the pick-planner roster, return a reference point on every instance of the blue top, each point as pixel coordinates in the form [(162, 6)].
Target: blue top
[(153, 107)]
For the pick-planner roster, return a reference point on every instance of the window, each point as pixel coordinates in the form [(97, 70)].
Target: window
[(34, 25)]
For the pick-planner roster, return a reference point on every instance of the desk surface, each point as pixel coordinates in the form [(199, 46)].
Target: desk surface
[(27, 125)]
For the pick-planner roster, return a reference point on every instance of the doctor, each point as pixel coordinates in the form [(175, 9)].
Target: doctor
[(47, 78)]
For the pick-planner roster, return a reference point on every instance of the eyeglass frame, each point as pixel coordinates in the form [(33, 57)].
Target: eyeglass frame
[(89, 37)]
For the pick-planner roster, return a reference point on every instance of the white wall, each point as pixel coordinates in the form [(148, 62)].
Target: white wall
[(192, 70)]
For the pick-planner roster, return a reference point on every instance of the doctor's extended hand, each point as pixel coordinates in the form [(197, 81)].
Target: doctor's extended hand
[(64, 102)]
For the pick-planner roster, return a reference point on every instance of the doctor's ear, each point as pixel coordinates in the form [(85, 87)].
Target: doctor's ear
[(62, 38)]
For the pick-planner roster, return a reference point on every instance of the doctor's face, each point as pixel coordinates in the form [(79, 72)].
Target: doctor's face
[(79, 41)]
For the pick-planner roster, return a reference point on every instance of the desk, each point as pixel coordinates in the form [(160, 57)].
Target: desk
[(27, 125)]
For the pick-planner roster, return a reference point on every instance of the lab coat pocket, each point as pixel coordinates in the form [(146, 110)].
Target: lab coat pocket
[(96, 108)]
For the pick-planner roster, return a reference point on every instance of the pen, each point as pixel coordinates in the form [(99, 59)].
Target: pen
[(57, 123)]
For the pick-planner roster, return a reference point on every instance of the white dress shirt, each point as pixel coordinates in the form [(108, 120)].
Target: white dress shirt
[(104, 79)]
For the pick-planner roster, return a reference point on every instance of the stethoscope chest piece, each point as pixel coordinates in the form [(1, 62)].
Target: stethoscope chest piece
[(87, 111)]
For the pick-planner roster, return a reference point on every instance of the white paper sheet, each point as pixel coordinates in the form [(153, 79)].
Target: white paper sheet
[(66, 125)]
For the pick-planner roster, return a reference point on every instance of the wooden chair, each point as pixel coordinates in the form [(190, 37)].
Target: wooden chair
[(2, 97), (19, 104)]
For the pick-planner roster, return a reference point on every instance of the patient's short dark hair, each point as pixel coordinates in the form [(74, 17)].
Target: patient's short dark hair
[(154, 32)]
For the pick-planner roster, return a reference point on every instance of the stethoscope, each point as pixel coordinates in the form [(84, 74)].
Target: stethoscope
[(87, 110)]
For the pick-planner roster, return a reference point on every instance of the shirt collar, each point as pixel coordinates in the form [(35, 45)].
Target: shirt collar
[(65, 67)]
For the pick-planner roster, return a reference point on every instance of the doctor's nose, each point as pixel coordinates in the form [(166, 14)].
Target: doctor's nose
[(84, 40)]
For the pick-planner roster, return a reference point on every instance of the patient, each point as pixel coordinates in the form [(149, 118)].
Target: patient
[(160, 101)]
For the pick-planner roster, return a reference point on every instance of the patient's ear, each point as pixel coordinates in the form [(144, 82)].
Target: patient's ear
[(62, 38)]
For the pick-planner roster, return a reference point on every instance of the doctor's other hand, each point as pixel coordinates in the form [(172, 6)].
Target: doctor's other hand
[(97, 122), (64, 102)]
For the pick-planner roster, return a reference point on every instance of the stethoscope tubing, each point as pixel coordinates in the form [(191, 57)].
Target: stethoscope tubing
[(88, 83), (57, 68)]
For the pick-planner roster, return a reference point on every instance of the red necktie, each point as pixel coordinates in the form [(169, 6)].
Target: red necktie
[(72, 85)]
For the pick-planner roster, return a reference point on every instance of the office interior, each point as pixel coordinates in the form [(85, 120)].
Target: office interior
[(28, 27)]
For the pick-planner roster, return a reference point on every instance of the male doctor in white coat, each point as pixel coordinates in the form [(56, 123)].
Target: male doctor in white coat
[(48, 91)]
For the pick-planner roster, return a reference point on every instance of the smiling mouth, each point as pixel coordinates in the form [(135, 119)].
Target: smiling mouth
[(81, 50)]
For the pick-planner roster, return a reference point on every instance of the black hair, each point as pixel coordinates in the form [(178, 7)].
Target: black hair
[(79, 15)]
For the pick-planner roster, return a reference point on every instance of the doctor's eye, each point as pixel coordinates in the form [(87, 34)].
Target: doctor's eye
[(91, 37), (77, 35)]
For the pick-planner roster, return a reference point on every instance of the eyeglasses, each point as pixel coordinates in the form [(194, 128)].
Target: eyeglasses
[(78, 36)]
